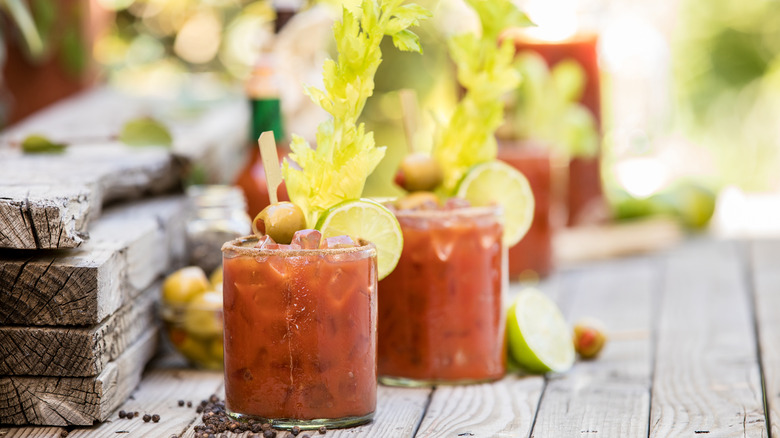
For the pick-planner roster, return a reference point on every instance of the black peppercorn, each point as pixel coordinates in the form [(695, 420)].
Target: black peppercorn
[(64, 433), (136, 414), (213, 398), (189, 404), (155, 418), (181, 403), (322, 430), (295, 430), (122, 414), (147, 418), (270, 433), (199, 409), (265, 426)]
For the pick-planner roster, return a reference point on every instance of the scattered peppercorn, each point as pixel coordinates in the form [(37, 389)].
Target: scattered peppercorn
[(295, 430), (147, 418), (64, 433), (156, 418), (204, 403), (199, 409), (189, 404), (213, 398), (122, 414), (136, 413), (265, 426), (181, 403), (269, 434), (322, 430)]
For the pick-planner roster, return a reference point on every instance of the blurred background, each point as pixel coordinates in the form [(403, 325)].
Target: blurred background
[(649, 108)]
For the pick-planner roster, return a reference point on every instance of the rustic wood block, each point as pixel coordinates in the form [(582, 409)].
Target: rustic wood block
[(47, 201), (131, 246), (76, 352), (60, 401), (765, 262), (707, 375)]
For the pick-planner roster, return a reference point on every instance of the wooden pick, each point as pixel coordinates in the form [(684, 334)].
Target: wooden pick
[(409, 113), (273, 175)]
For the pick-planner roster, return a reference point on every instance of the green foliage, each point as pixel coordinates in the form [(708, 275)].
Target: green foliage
[(346, 154), (546, 107), (145, 131), (486, 71), (40, 144)]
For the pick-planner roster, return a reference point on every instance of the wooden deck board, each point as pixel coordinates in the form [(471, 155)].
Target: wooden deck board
[(765, 258), (609, 396), (706, 367)]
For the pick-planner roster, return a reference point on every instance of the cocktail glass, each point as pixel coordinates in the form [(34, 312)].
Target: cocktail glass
[(300, 334)]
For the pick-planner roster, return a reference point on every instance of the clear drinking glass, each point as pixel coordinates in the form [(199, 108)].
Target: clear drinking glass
[(441, 317), (300, 334)]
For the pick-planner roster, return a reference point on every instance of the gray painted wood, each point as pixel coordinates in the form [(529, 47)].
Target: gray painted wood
[(76, 351), (706, 366), (48, 201), (61, 401), (131, 246), (608, 396), (501, 409), (765, 257)]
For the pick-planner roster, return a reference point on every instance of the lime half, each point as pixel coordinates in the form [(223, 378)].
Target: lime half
[(367, 220), (496, 182), (539, 338)]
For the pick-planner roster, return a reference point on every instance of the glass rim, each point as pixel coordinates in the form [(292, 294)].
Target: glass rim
[(236, 247), (485, 210)]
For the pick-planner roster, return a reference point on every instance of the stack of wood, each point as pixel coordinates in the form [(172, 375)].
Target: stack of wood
[(85, 239)]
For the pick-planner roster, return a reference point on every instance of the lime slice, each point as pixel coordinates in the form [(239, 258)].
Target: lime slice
[(496, 182), (538, 336), (367, 220)]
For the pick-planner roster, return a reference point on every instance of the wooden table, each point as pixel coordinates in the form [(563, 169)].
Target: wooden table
[(694, 351)]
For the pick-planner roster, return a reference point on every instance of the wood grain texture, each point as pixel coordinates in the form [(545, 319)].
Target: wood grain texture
[(48, 201), (765, 257), (504, 408), (76, 351), (61, 401), (706, 366), (611, 395), (131, 246)]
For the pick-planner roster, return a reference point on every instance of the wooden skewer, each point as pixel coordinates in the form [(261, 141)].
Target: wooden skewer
[(273, 175), (409, 113)]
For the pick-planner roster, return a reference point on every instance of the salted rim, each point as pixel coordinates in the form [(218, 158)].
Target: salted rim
[(235, 247), (483, 210)]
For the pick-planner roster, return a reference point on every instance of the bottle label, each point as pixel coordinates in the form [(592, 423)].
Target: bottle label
[(266, 116)]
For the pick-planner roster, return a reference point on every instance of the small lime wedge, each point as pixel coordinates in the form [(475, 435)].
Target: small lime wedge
[(367, 220), (538, 336), (496, 182)]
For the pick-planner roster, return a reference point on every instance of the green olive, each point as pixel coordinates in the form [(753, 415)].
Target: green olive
[(202, 318), (418, 201), (420, 173), (280, 221), (184, 285)]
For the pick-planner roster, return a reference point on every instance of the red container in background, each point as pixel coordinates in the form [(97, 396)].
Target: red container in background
[(532, 256), (584, 195)]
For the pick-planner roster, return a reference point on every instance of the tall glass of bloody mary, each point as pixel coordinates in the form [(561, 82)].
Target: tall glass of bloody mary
[(300, 334), (441, 318)]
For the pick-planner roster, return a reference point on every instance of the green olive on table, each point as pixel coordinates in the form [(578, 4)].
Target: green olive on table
[(280, 221)]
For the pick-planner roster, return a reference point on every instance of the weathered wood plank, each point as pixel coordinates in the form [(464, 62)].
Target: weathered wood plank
[(706, 366), (765, 257), (501, 409), (131, 246), (609, 396), (48, 201), (76, 352), (60, 401)]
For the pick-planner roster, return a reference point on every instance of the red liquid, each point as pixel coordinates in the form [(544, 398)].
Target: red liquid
[(440, 311), (300, 333), (534, 252), (584, 191)]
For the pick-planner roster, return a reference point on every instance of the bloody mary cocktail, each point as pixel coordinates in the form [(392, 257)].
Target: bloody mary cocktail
[(300, 334), (440, 312)]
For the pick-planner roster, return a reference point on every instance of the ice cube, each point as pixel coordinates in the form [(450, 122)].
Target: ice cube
[(456, 203), (307, 239), (338, 242), (264, 241)]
